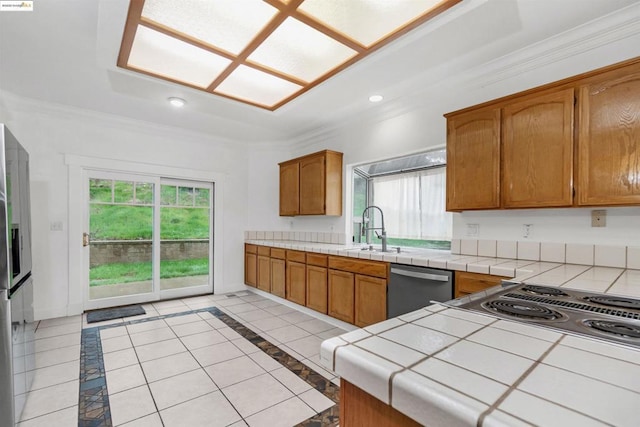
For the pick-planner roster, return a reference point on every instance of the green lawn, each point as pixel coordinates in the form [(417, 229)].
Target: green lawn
[(415, 243), (108, 274)]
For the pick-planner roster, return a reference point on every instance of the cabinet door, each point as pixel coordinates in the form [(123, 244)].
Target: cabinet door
[(341, 295), (609, 139), (296, 282), (537, 151), (289, 189), (278, 277), (250, 269), (312, 185), (371, 300), (264, 273), (317, 288), (469, 283), (473, 160)]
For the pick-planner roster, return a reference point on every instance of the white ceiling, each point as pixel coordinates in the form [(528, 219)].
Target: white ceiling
[(65, 52)]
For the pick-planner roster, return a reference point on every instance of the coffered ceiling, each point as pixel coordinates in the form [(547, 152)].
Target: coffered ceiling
[(65, 53)]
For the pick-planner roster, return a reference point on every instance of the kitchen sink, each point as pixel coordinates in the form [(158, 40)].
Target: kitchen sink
[(393, 250)]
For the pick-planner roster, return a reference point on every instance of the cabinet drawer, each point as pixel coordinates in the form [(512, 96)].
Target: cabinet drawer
[(250, 249), (296, 256), (278, 253), (316, 259), (264, 250), (369, 268), (468, 283)]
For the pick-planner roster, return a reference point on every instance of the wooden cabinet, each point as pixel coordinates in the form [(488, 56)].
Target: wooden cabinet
[(570, 143), (358, 290), (250, 265), (317, 291), (469, 283), (312, 185), (264, 269), (359, 408), (289, 189), (296, 277), (342, 295), (473, 160), (537, 150), (609, 139), (370, 300), (278, 277)]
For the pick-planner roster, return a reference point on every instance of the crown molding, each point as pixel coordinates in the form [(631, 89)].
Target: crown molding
[(16, 103), (609, 29)]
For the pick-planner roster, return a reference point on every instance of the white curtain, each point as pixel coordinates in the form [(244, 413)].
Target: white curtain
[(413, 205)]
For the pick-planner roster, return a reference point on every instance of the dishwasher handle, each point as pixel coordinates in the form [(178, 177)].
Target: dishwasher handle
[(420, 275)]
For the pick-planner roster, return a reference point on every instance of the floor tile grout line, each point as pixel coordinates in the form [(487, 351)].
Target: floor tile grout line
[(247, 333)]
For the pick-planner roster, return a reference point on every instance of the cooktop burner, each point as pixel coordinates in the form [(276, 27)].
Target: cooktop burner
[(607, 317), (621, 329), (524, 310), (614, 301), (544, 290)]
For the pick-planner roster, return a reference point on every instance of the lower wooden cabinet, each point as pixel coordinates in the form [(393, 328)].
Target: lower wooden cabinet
[(469, 283), (250, 265), (341, 295), (278, 279), (359, 408), (317, 292), (296, 282), (370, 300), (351, 290), (264, 273)]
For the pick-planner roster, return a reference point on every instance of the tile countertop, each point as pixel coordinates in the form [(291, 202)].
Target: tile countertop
[(450, 367), (619, 281)]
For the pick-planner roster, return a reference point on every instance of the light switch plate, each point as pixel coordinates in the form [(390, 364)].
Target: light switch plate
[(598, 218), (473, 230)]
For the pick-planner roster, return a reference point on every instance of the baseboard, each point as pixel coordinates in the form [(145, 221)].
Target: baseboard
[(52, 313)]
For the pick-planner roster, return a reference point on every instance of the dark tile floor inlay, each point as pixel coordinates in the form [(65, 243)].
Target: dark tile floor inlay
[(93, 405)]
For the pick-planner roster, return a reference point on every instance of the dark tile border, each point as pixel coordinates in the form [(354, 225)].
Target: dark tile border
[(93, 404)]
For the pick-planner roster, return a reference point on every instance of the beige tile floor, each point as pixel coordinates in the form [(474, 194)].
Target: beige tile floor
[(188, 370)]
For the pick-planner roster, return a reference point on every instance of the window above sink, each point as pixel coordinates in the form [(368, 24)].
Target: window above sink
[(411, 191)]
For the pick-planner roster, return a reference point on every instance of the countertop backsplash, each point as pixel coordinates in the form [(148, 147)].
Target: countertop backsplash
[(299, 236), (569, 253)]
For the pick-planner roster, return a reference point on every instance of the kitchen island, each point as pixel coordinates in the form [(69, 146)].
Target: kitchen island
[(443, 366)]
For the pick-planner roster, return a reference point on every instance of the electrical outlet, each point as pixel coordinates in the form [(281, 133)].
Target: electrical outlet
[(599, 218), (527, 229), (473, 230)]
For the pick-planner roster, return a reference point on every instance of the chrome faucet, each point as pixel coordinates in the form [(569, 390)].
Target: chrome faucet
[(383, 232)]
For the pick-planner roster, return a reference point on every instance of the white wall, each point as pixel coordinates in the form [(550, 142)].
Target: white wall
[(50, 132), (402, 128)]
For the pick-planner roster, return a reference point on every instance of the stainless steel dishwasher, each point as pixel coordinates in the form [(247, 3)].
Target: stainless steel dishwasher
[(412, 287)]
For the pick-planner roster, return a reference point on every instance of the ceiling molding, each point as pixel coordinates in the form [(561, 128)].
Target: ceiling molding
[(584, 38), (591, 35), (15, 103)]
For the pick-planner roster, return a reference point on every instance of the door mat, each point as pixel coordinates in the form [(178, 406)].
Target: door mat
[(114, 313)]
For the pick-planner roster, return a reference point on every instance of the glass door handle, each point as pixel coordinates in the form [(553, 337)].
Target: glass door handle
[(85, 239)]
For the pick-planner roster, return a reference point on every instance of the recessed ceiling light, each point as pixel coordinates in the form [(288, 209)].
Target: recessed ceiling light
[(177, 102), (375, 98), (286, 47)]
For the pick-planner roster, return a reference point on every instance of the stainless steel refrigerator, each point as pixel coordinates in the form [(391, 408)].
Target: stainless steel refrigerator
[(17, 352)]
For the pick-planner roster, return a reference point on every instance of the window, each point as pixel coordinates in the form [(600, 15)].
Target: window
[(411, 192)]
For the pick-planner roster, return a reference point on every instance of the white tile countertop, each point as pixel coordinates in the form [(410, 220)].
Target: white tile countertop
[(449, 367), (614, 280)]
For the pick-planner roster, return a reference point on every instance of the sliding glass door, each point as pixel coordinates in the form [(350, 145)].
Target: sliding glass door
[(146, 238)]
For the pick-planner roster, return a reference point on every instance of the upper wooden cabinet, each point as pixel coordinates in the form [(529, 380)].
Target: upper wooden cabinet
[(537, 151), (289, 189), (574, 142), (312, 185), (609, 139), (473, 160)]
